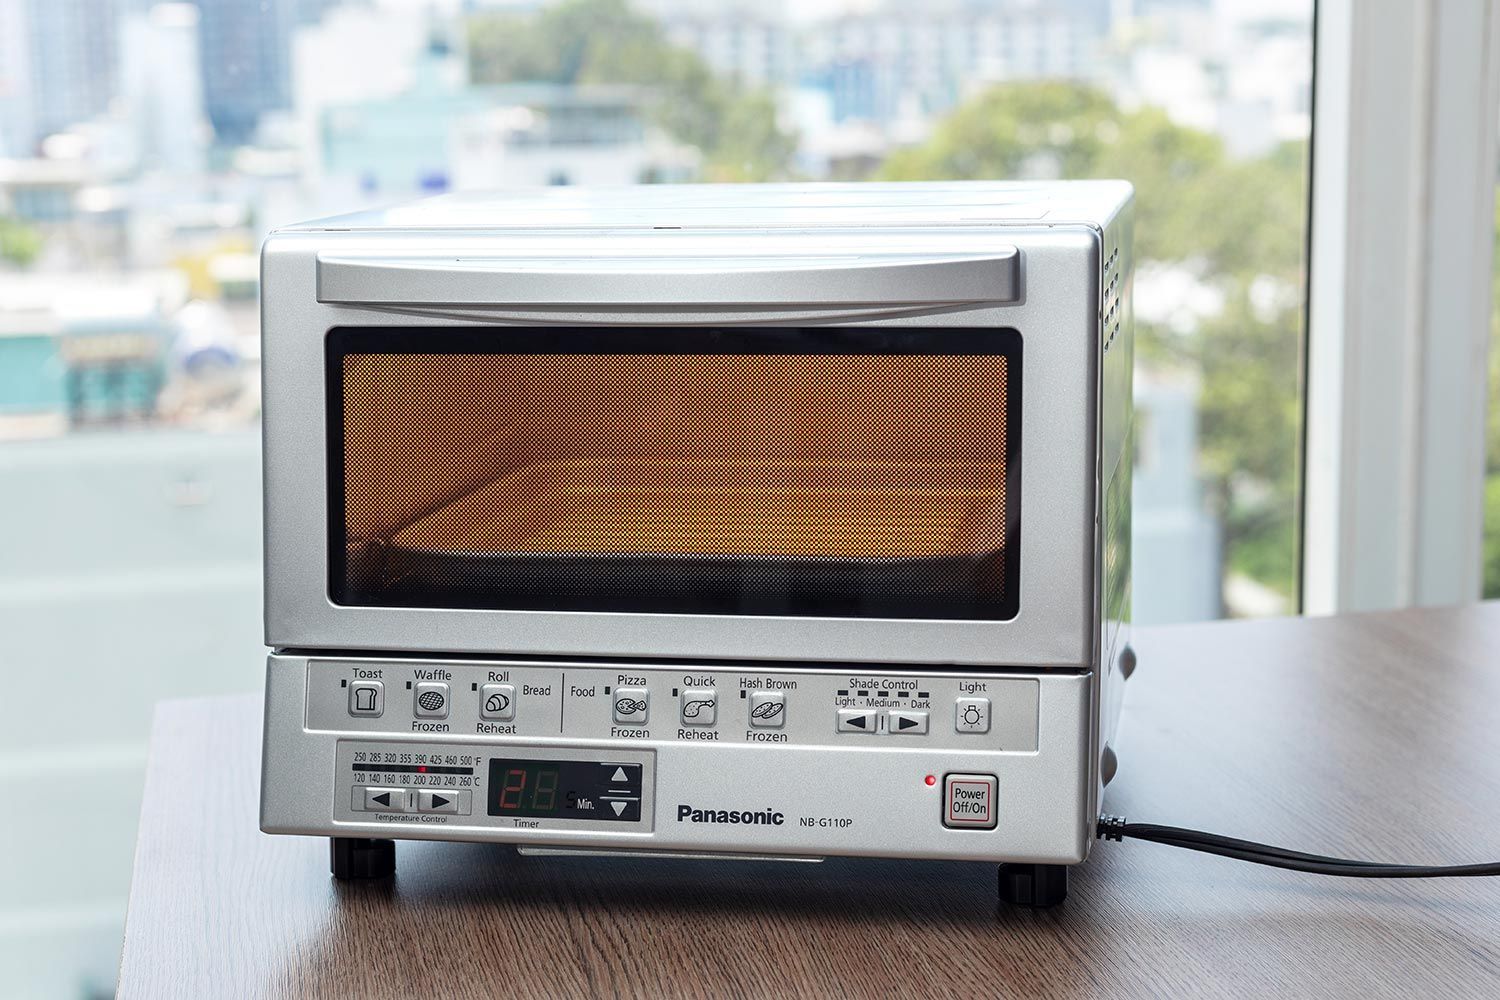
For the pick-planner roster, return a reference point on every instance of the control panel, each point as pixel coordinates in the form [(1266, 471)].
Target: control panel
[(685, 704), (777, 759), (523, 788)]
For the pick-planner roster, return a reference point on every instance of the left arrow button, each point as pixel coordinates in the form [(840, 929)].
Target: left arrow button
[(385, 800)]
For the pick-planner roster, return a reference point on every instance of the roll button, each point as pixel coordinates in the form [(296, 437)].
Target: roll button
[(497, 701)]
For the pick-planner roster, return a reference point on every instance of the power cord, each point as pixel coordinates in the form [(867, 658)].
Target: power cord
[(1116, 828)]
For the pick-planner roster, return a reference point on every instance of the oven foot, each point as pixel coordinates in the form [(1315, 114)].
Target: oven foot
[(1033, 886), (361, 857)]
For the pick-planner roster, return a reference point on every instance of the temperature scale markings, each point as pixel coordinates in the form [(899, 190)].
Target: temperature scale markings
[(372, 765)]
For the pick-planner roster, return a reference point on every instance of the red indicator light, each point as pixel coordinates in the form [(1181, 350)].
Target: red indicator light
[(422, 769), (931, 779)]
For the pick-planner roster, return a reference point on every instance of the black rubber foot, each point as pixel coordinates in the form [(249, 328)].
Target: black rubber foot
[(361, 857), (1034, 886)]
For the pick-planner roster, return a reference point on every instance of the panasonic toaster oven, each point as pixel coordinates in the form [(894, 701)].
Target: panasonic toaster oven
[(783, 521)]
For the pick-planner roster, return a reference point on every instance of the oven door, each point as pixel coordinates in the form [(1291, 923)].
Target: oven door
[(587, 473)]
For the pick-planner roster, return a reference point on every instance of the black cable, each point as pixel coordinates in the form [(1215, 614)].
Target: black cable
[(1116, 828)]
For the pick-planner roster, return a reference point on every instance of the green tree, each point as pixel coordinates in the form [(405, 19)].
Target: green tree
[(1237, 224), (605, 42), (19, 244)]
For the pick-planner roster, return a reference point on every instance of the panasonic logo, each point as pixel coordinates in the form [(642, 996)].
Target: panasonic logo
[(764, 817)]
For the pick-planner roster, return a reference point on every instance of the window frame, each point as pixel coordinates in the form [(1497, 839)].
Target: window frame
[(1402, 231)]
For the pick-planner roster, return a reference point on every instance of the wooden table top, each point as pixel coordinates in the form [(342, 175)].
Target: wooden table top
[(1367, 736)]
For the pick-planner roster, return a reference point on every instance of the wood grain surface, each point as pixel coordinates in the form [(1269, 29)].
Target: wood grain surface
[(1368, 735)]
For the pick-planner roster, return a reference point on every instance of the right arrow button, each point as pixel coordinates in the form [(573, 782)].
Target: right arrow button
[(905, 722), (440, 802)]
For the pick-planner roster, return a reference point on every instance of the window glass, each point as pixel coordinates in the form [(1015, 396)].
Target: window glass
[(147, 148), (733, 471)]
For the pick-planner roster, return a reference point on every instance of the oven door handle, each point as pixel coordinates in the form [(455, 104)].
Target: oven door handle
[(926, 279)]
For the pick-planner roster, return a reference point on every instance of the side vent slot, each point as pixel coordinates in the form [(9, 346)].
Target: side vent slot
[(1109, 300)]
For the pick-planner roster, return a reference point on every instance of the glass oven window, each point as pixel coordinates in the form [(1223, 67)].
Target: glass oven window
[(776, 471)]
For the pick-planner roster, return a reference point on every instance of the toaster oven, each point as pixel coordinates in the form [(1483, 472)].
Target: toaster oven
[(775, 521)]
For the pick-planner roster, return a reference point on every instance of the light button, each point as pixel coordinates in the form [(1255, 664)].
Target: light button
[(497, 701), (700, 706), (632, 705), (430, 700), (367, 699), (972, 715), (969, 801)]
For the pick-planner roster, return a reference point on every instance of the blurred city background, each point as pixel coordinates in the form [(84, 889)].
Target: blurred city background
[(147, 148)]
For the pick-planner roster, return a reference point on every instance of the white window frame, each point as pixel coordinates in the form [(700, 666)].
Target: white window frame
[(1406, 111)]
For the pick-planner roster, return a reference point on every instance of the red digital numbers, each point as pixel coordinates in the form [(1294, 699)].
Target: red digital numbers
[(515, 784), (520, 794)]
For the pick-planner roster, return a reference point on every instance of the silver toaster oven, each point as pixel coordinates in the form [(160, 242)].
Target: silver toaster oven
[(784, 521)]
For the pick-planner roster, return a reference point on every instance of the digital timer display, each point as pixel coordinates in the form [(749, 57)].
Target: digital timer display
[(564, 789)]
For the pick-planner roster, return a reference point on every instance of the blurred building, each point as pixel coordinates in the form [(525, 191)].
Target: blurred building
[(160, 86), (58, 60), (245, 55), (1237, 68), (16, 129), (901, 60), (43, 191), (531, 135), (425, 129), (360, 54), (743, 45), (71, 360)]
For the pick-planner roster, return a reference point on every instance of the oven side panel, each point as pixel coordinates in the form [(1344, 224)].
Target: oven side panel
[(1116, 463)]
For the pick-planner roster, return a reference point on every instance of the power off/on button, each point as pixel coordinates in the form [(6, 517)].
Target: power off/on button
[(969, 801)]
